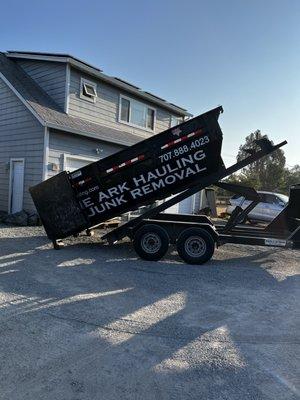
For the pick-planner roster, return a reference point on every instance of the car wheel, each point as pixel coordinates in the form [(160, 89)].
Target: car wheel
[(195, 246), (151, 242)]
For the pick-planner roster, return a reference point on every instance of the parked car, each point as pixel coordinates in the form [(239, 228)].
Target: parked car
[(270, 206)]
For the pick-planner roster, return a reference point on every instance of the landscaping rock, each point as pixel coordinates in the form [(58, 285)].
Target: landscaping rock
[(33, 220), (20, 219), (3, 215)]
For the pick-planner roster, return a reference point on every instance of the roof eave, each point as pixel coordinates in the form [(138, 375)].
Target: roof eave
[(87, 134)]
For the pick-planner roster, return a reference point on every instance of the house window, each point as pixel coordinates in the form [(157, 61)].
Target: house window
[(175, 121), (88, 90), (150, 118), (125, 106), (135, 113)]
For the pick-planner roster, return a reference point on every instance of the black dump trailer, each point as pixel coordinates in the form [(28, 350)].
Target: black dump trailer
[(179, 161)]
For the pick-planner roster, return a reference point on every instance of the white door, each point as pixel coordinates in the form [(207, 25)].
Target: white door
[(16, 185)]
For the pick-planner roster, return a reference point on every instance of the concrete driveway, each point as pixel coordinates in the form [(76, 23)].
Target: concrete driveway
[(94, 322)]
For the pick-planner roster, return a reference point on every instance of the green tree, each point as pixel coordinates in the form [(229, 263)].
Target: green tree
[(291, 177), (267, 173)]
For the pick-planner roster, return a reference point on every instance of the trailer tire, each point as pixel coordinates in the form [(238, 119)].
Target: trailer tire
[(151, 242), (195, 246)]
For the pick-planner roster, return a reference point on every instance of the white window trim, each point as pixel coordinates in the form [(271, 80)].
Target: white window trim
[(75, 157), (129, 123), (67, 88), (11, 160), (82, 96)]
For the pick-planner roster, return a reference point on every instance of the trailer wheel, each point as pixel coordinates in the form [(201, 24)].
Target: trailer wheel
[(151, 242), (195, 246)]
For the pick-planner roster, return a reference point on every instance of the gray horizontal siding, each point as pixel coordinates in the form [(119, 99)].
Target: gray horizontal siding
[(61, 144), (21, 136), (50, 76), (105, 110), (162, 120)]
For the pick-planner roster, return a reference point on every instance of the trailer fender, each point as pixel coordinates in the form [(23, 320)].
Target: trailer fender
[(212, 231)]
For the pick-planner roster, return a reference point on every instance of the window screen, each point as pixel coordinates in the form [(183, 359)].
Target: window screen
[(88, 90)]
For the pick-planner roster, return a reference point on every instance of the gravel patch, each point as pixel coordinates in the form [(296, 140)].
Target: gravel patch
[(93, 321)]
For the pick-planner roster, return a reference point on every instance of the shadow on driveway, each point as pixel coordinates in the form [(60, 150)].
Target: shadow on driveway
[(92, 321)]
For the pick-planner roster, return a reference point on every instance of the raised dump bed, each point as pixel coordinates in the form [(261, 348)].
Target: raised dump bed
[(179, 161), (153, 169)]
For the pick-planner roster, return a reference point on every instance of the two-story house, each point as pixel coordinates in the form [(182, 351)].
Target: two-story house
[(59, 113)]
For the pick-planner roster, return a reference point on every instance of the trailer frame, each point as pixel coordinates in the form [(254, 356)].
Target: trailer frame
[(266, 147), (175, 226)]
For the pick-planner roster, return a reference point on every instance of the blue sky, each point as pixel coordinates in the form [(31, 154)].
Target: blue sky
[(244, 55)]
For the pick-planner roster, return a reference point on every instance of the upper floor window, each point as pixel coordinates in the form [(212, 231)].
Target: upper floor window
[(88, 90), (135, 113), (175, 121)]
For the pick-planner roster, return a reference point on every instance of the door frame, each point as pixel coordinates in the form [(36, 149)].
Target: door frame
[(11, 160)]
